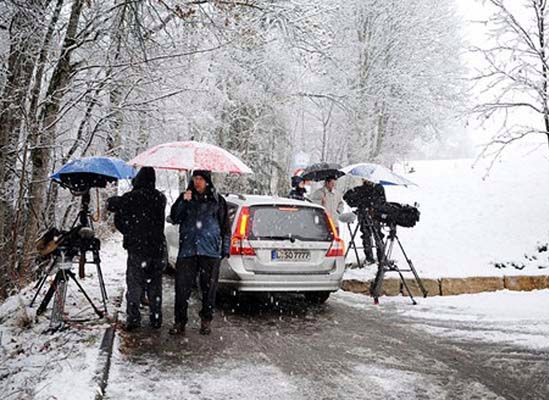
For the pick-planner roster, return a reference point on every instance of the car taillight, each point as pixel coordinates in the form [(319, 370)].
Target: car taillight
[(239, 242), (337, 249)]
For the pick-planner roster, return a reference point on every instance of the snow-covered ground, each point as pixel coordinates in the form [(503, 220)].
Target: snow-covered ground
[(520, 319), (39, 365), (36, 365), (470, 221)]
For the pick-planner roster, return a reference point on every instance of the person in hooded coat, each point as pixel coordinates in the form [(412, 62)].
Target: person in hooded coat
[(204, 240), (139, 215), (365, 197), (298, 191)]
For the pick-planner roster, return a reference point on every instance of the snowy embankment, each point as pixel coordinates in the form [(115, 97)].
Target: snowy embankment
[(472, 224), (35, 364)]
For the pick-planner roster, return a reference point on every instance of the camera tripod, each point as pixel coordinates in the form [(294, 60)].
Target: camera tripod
[(386, 264), (71, 244)]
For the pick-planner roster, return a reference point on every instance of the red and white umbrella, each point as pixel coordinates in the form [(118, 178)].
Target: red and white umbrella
[(191, 155)]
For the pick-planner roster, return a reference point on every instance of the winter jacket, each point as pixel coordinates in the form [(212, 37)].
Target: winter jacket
[(297, 193), (204, 228), (139, 216), (366, 196), (332, 201)]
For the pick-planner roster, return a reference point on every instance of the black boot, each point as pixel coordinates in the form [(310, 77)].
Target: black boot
[(131, 326), (177, 329), (155, 324), (205, 327)]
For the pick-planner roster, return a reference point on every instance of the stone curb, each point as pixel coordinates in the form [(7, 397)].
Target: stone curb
[(105, 352), (453, 286)]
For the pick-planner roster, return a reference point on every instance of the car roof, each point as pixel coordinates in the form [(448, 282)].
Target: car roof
[(256, 200)]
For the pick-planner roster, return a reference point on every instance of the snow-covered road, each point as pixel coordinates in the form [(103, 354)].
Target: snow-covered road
[(484, 346), (348, 348)]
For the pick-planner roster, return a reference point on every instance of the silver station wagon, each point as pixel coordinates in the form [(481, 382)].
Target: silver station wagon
[(278, 245)]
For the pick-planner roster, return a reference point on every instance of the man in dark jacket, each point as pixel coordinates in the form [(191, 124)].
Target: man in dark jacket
[(365, 197), (204, 239), (139, 216), (298, 191)]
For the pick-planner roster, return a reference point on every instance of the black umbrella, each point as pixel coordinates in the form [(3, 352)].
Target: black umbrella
[(322, 171)]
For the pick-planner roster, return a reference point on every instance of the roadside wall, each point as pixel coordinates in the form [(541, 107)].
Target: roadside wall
[(453, 286)]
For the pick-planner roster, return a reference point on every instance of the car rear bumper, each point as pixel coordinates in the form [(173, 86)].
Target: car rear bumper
[(234, 277), (279, 286)]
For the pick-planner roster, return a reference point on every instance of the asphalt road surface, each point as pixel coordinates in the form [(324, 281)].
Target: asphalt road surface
[(284, 348)]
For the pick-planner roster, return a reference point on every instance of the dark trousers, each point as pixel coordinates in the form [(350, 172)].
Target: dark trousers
[(371, 228), (144, 275), (187, 269)]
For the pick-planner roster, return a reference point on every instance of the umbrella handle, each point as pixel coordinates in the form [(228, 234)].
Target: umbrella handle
[(97, 216)]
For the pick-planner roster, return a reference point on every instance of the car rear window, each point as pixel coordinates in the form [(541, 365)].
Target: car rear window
[(286, 222), (231, 211)]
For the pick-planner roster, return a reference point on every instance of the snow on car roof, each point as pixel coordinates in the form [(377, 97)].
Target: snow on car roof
[(259, 200)]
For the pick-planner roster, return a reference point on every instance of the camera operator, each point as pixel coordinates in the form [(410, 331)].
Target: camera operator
[(139, 216), (365, 198)]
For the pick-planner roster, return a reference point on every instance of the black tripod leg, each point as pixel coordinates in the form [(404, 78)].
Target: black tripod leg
[(406, 287), (49, 294), (70, 274), (412, 268), (377, 284), (41, 283), (102, 287), (50, 265), (353, 244)]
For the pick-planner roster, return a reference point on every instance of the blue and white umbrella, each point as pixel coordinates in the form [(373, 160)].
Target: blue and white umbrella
[(376, 173), (93, 172)]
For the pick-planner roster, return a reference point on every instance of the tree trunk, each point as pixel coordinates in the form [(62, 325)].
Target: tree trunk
[(541, 4), (24, 34), (44, 137)]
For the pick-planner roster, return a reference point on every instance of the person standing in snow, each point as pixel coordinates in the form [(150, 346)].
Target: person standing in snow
[(365, 197), (139, 215), (204, 240), (298, 191), (329, 197)]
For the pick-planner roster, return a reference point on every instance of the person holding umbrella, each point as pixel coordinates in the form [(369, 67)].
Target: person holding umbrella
[(369, 195), (202, 215), (139, 215), (204, 239), (327, 196), (364, 198), (330, 198)]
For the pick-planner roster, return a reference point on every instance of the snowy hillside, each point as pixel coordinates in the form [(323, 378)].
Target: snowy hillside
[(469, 223)]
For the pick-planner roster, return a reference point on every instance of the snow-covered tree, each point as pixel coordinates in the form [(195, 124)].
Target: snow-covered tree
[(514, 79)]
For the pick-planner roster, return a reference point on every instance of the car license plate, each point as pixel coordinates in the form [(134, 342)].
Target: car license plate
[(291, 255)]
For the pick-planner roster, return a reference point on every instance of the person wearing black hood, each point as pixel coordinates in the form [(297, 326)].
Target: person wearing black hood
[(366, 197), (139, 215), (298, 191), (204, 239)]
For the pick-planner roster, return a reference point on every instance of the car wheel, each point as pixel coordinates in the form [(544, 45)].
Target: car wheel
[(317, 297)]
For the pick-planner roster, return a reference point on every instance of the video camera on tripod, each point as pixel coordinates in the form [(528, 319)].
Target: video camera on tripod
[(396, 214), (375, 216), (63, 247), (392, 215)]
